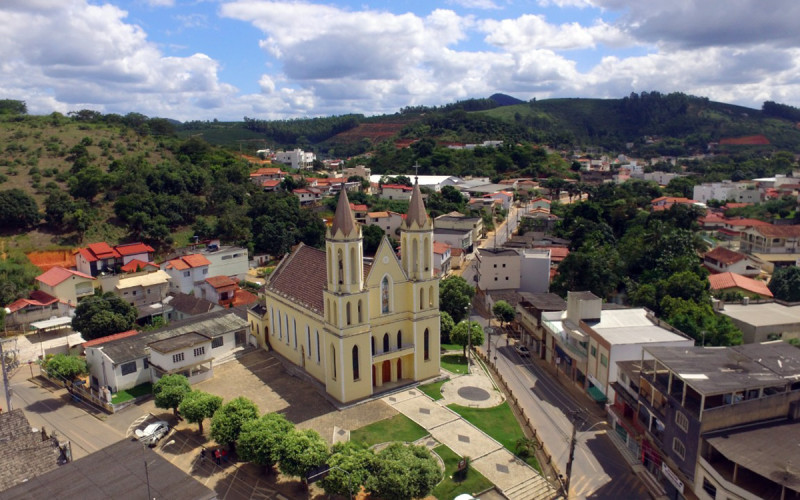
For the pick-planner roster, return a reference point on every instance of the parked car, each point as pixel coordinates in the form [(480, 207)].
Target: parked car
[(151, 434), (522, 351)]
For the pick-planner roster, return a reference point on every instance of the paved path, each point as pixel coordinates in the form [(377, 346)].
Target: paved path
[(512, 476)]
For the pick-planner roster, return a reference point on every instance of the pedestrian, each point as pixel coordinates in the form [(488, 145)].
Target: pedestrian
[(203, 454), (218, 457)]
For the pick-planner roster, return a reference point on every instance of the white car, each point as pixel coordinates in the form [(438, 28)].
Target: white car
[(151, 434), (465, 496), (522, 350)]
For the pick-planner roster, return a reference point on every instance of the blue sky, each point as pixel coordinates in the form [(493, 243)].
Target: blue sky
[(226, 59)]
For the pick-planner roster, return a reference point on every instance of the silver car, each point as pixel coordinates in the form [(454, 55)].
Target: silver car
[(151, 434)]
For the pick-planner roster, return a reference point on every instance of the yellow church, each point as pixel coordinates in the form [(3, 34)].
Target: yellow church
[(358, 328)]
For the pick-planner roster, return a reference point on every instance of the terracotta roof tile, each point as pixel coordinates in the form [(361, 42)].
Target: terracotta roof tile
[(36, 298), (774, 231), (137, 265), (133, 248), (58, 275), (724, 255), (108, 338), (196, 260), (723, 281), (221, 282), (103, 250)]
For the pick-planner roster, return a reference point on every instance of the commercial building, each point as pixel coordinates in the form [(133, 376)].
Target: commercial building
[(765, 321)]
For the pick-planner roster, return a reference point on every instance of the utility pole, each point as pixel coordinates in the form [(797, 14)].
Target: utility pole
[(5, 378)]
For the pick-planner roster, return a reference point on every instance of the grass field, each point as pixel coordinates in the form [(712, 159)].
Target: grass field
[(454, 363), (475, 482), (433, 390), (498, 422), (135, 392), (452, 347), (397, 428)]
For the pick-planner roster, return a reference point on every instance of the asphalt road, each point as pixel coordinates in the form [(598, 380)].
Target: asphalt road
[(598, 471), (55, 412)]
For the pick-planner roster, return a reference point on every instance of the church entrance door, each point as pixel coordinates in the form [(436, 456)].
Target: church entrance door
[(386, 368)]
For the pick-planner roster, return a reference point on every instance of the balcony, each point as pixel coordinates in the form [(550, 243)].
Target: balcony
[(392, 353), (746, 482)]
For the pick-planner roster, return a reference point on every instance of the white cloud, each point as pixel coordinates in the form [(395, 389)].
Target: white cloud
[(475, 4), (533, 31), (160, 3)]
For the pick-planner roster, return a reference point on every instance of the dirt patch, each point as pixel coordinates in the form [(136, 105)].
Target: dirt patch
[(47, 260)]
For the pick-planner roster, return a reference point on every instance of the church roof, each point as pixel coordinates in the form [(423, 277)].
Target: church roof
[(343, 219), (302, 277), (416, 208)]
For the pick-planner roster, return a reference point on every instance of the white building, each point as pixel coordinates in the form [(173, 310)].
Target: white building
[(388, 221), (441, 257), (498, 269), (297, 158), (432, 182), (739, 192), (223, 260), (186, 273), (535, 270), (146, 292), (190, 347)]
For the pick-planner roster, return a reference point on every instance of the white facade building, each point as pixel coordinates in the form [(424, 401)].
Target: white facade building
[(297, 158), (535, 270)]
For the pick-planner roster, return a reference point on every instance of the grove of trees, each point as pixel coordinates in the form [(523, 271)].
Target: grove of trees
[(102, 315)]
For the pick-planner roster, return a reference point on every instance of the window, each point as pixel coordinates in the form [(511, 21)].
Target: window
[(146, 364), (604, 360), (134, 293), (385, 295), (682, 421), (199, 351), (495, 266), (227, 257), (187, 273), (333, 361), (176, 358), (594, 351), (385, 342), (318, 357), (128, 368), (709, 488), (426, 345), (495, 278), (216, 342), (308, 342), (504, 265), (148, 291), (356, 373), (678, 448), (205, 271)]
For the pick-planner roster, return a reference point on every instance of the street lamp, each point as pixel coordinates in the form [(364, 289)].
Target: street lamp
[(574, 415), (469, 335)]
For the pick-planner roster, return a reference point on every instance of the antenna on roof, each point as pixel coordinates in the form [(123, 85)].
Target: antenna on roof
[(416, 172)]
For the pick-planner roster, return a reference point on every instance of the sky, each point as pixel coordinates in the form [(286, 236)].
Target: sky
[(227, 59)]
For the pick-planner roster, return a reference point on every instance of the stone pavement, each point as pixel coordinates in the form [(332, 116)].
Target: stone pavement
[(510, 475)]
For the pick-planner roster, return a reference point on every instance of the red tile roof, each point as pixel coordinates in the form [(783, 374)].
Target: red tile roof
[(724, 255), (137, 265), (773, 231), (133, 248), (108, 338), (724, 281), (244, 298), (440, 247), (271, 183), (188, 261), (103, 250), (736, 205), (36, 298), (58, 275), (221, 282), (398, 186), (746, 222)]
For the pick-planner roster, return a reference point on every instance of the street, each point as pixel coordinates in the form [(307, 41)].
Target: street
[(598, 471)]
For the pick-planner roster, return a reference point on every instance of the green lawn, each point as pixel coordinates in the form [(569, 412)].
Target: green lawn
[(450, 488), (139, 390), (498, 422), (397, 428), (452, 347), (454, 363), (433, 390)]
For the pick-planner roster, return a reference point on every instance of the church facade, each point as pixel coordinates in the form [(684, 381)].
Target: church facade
[(358, 329)]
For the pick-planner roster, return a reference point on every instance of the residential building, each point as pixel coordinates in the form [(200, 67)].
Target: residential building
[(660, 178), (456, 238), (457, 257), (102, 258), (91, 477), (459, 221), (689, 397), (770, 239), (38, 306), (585, 341), (27, 453), (65, 284), (732, 229), (357, 171), (188, 306), (498, 268), (723, 260), (534, 270), (296, 158), (146, 292), (529, 318), (441, 258), (506, 198), (223, 260), (765, 321), (388, 221), (396, 192), (307, 196), (193, 347), (732, 282), (737, 192), (359, 330), (219, 289), (433, 182), (186, 273), (267, 174)]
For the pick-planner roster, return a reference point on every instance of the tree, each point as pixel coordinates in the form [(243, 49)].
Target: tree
[(227, 422), (99, 316), (170, 390), (18, 210), (56, 207), (503, 312), (699, 322), (197, 406), (455, 296), (401, 472), (261, 440), (350, 468), (373, 235), (302, 451), (785, 284), (462, 331), (65, 367), (13, 107), (446, 327)]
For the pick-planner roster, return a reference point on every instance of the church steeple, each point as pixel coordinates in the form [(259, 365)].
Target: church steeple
[(344, 250), (416, 238)]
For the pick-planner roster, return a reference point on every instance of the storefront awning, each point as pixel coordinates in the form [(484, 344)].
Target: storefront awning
[(597, 394)]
